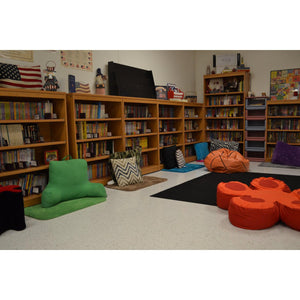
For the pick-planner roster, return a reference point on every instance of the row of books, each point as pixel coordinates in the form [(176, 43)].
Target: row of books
[(286, 137), (15, 159), (24, 110), (136, 111), (168, 125), (166, 112), (98, 170), (224, 124), (189, 137), (225, 136), (190, 112), (284, 124), (85, 130), (224, 112), (144, 160), (90, 111), (135, 127), (284, 110), (189, 150), (30, 183), (225, 100), (93, 149), (132, 143), (167, 139), (18, 134), (190, 125)]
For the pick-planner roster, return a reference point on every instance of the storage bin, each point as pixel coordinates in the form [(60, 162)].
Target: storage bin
[(255, 114), (256, 103), (255, 155), (254, 135), (255, 125)]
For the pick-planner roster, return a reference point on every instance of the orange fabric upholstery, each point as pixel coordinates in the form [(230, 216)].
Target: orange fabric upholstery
[(269, 183), (251, 212), (227, 190), (226, 161), (296, 192), (290, 212)]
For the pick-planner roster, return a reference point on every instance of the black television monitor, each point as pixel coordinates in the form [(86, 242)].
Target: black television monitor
[(130, 81)]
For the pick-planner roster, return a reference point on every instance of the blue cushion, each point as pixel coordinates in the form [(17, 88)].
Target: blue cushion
[(201, 150)]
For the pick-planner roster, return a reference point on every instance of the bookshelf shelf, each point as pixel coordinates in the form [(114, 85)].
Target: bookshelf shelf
[(28, 115), (103, 138), (224, 105)]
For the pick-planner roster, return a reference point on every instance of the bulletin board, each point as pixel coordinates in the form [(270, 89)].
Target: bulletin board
[(283, 83), (78, 59)]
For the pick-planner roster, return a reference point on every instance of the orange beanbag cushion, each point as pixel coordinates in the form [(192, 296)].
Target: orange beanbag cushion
[(269, 183), (290, 212), (296, 192), (250, 212), (226, 161), (227, 190)]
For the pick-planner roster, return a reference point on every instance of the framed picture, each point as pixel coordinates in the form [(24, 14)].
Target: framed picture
[(50, 155)]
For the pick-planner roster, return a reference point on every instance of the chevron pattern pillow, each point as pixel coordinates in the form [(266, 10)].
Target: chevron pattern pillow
[(180, 158), (126, 171)]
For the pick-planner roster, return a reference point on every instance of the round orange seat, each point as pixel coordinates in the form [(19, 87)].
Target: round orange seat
[(226, 161), (253, 212), (227, 190), (290, 213), (296, 192), (269, 183)]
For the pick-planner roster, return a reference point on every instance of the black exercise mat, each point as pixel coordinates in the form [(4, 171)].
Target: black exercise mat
[(203, 189)]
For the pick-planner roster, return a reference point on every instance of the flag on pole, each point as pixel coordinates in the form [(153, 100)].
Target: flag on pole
[(14, 76)]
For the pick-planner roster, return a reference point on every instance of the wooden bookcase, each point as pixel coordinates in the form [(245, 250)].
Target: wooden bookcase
[(283, 124), (20, 107), (153, 124), (224, 102)]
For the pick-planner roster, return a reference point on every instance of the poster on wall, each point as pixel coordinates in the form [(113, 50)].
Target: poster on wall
[(78, 59), (25, 55), (285, 84)]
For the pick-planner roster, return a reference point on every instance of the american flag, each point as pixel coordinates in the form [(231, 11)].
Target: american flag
[(14, 76), (82, 87)]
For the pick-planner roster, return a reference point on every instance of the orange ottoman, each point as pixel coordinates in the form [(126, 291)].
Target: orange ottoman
[(269, 183), (227, 190), (253, 212), (226, 161)]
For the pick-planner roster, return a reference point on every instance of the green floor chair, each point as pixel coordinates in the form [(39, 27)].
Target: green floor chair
[(68, 190)]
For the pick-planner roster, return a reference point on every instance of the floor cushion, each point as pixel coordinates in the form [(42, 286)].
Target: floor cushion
[(227, 190), (269, 183), (226, 161), (290, 212), (201, 150), (179, 158), (169, 157), (219, 144), (126, 171), (68, 180), (253, 212), (296, 192), (285, 154)]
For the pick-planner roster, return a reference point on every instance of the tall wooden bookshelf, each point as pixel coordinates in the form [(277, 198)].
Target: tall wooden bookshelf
[(28, 108), (224, 102), (150, 123), (283, 124)]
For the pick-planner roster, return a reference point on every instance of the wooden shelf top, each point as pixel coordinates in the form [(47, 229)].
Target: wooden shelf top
[(24, 171), (229, 74), (34, 145), (283, 102), (98, 120), (103, 138), (32, 121), (28, 93)]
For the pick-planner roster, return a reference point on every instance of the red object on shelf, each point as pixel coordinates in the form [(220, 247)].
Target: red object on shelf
[(175, 95)]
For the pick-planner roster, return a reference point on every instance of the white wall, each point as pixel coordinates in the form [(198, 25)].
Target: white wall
[(167, 66), (261, 62)]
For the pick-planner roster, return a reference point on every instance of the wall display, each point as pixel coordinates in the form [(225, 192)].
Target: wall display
[(226, 62), (285, 84), (26, 55), (78, 59)]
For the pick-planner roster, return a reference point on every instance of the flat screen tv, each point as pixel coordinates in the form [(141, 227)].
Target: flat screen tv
[(130, 81)]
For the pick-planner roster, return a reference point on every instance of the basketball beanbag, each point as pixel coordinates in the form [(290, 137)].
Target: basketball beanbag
[(290, 212), (251, 212), (226, 161), (269, 183), (227, 190)]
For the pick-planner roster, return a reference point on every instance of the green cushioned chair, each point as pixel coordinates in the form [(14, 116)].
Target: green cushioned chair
[(68, 180)]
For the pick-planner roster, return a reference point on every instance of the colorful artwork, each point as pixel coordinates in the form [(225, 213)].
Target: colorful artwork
[(78, 59), (285, 84)]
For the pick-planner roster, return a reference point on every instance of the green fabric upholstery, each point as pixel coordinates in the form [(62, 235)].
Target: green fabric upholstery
[(68, 180), (137, 153)]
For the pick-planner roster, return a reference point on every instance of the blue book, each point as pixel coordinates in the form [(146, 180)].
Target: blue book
[(72, 88)]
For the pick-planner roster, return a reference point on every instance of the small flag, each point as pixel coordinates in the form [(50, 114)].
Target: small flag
[(82, 88), (14, 76)]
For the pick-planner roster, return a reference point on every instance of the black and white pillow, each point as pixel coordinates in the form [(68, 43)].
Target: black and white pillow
[(218, 144), (179, 158)]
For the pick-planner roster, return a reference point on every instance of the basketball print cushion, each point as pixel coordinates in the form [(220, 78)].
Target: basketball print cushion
[(126, 171), (180, 158)]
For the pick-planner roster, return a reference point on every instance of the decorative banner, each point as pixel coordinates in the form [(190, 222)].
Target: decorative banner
[(78, 59), (25, 55)]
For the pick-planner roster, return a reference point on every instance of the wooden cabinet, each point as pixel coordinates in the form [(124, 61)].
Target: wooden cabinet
[(224, 101), (283, 124), (31, 123)]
